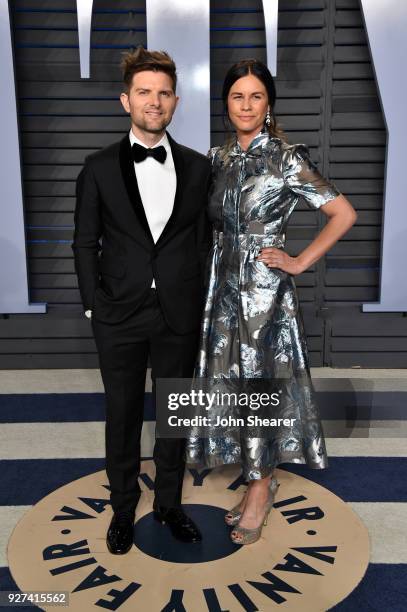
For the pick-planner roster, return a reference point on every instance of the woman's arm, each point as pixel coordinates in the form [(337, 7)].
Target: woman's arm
[(341, 215)]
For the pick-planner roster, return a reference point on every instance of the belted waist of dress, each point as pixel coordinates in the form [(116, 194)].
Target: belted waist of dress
[(252, 240)]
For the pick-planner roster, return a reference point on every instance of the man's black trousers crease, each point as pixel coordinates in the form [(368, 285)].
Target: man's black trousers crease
[(123, 355)]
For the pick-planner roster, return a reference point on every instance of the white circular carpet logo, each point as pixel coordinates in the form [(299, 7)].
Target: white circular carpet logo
[(312, 553)]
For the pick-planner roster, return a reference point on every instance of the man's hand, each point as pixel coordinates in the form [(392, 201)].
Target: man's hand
[(88, 313)]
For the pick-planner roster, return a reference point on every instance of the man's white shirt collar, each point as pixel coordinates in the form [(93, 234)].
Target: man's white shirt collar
[(164, 141)]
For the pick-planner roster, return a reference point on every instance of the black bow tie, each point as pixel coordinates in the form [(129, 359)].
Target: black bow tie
[(140, 153)]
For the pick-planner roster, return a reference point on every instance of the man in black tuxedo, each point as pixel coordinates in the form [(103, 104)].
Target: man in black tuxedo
[(140, 244)]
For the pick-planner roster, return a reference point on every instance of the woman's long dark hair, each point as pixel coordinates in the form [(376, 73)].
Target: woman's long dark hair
[(259, 70)]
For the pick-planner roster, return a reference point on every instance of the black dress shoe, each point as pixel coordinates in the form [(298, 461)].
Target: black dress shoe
[(120, 534), (182, 527)]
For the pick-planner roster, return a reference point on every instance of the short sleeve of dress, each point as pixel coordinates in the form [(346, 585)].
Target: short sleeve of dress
[(303, 178)]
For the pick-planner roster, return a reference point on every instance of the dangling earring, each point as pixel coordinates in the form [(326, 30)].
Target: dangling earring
[(268, 118)]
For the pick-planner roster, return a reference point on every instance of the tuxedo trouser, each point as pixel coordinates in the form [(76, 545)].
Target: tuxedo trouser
[(123, 356)]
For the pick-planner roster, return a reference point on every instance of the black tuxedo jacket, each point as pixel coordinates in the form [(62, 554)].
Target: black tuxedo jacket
[(115, 254)]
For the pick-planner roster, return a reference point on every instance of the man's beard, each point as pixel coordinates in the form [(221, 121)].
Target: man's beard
[(143, 125)]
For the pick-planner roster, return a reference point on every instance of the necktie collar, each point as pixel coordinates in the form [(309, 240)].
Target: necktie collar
[(255, 148)]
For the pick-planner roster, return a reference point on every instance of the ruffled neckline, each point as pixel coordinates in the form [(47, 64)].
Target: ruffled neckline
[(258, 143)]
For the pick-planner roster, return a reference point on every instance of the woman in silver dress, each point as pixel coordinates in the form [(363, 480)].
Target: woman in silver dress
[(252, 326)]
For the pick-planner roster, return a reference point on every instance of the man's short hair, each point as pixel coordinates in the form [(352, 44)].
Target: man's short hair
[(142, 59)]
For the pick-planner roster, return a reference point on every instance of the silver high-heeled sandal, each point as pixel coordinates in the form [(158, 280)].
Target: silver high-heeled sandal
[(233, 516), (249, 536)]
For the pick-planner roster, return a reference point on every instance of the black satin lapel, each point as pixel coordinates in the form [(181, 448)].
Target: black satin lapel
[(179, 171), (130, 181)]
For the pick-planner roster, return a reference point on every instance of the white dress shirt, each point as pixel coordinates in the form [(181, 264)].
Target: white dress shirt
[(157, 184)]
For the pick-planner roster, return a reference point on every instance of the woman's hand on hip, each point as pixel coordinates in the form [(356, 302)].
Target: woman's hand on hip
[(277, 258)]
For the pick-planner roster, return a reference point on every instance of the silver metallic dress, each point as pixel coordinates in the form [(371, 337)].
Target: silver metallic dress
[(252, 325)]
